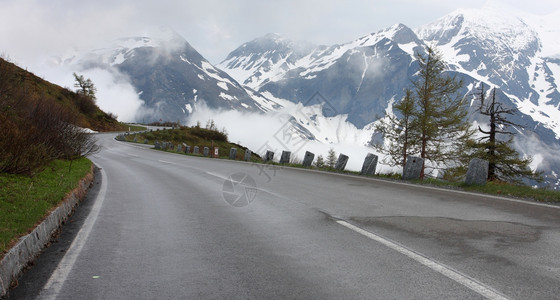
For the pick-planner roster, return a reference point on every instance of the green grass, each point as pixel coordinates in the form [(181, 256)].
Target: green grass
[(193, 136), (25, 201), (499, 189), (134, 127), (517, 191)]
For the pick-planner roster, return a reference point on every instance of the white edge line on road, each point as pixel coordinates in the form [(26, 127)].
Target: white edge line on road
[(448, 272), (54, 284)]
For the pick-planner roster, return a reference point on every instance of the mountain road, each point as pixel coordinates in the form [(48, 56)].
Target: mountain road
[(160, 225)]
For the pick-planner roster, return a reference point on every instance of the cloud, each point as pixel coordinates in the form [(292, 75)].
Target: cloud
[(115, 93), (545, 156), (262, 132), (33, 29)]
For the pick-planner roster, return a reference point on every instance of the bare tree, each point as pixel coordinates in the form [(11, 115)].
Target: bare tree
[(495, 146)]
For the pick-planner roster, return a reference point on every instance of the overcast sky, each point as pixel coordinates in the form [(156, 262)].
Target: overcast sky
[(32, 30)]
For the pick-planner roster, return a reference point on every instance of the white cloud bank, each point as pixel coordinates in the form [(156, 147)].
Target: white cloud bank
[(271, 131)]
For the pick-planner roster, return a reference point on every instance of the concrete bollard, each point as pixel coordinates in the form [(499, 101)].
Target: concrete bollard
[(206, 151), (412, 168), (285, 158), (341, 162), (248, 154), (196, 150), (308, 159), (187, 149), (370, 164), (157, 145), (269, 156), (179, 148), (232, 153), (477, 172)]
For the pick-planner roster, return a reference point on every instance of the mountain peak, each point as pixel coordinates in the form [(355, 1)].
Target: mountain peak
[(505, 29), (273, 36), (161, 36)]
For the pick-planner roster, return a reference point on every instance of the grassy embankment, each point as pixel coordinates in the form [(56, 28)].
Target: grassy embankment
[(37, 122), (193, 136), (25, 201)]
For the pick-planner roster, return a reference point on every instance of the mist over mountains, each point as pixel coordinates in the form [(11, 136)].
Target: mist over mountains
[(354, 82)]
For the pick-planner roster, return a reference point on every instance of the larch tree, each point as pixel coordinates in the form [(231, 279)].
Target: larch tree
[(397, 129), (85, 87), (331, 158), (441, 124)]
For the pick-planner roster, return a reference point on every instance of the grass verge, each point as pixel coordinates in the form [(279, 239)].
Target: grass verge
[(134, 127), (25, 201), (499, 189)]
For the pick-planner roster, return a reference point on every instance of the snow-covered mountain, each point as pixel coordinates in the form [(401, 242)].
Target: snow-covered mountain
[(504, 50), (355, 82), (511, 50), (357, 78), (171, 77), (265, 58)]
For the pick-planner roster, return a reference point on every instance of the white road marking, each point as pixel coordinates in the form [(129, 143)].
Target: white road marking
[(56, 281), (448, 272), (166, 162)]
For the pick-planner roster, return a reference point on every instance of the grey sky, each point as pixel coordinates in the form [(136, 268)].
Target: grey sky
[(33, 30)]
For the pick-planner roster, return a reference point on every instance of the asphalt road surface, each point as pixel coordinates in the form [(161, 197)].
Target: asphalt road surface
[(159, 225)]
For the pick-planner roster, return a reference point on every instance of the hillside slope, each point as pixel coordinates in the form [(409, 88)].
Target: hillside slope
[(20, 90), (41, 122)]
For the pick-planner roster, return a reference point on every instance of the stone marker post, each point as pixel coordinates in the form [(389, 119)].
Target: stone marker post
[(341, 162), (248, 154), (232, 153), (412, 168), (370, 163), (477, 172), (187, 149), (269, 156), (285, 158), (157, 145), (308, 159), (179, 148), (206, 151), (196, 150)]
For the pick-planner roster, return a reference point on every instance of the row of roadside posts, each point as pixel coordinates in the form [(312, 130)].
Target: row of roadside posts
[(477, 172)]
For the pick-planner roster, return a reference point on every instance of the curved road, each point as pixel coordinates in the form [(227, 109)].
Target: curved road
[(160, 226)]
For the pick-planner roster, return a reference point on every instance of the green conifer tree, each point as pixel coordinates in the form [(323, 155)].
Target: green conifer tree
[(441, 124), (398, 131)]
